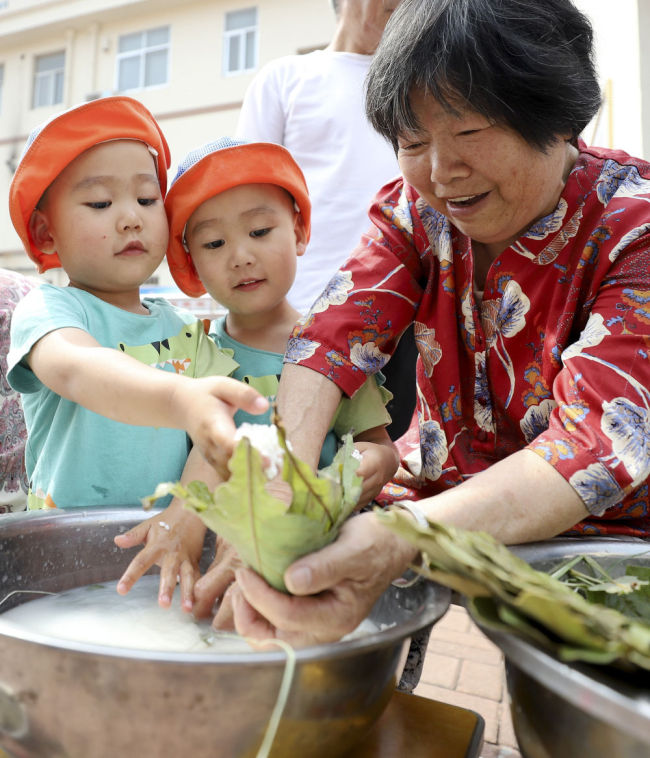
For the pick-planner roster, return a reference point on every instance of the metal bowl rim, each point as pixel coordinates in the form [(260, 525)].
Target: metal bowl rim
[(365, 643), (571, 682), (437, 595), (613, 703)]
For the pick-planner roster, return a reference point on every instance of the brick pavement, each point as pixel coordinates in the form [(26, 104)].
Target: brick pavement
[(462, 667)]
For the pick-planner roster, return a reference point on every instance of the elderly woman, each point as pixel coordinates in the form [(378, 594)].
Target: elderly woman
[(522, 257)]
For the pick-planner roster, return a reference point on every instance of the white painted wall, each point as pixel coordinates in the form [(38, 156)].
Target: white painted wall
[(616, 26), (198, 104)]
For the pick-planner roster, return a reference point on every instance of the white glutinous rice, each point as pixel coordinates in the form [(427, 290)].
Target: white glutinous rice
[(264, 438), (97, 615)]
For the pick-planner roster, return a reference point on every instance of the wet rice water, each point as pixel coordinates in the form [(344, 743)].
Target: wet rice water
[(96, 614)]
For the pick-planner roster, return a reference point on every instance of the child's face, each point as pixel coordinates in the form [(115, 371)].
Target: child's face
[(244, 243), (104, 216)]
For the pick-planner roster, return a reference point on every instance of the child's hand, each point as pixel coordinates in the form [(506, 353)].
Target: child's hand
[(378, 464), (172, 539), (214, 585), (208, 406)]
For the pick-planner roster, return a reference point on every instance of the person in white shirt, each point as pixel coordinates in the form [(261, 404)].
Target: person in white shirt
[(313, 104)]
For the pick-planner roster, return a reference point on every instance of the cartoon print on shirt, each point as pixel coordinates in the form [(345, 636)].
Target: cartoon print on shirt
[(172, 354)]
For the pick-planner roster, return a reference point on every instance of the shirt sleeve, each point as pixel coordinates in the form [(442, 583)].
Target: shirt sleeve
[(262, 116), (353, 329), (366, 410), (40, 312), (598, 436)]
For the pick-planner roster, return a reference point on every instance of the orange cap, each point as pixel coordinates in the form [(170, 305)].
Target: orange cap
[(214, 168), (55, 144)]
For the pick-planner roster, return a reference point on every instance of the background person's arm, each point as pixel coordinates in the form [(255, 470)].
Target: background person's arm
[(261, 116)]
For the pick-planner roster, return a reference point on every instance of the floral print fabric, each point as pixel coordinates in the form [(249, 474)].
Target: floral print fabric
[(555, 357), (13, 479)]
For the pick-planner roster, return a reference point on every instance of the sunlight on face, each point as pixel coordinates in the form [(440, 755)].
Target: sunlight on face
[(105, 218), (244, 244), (489, 182)]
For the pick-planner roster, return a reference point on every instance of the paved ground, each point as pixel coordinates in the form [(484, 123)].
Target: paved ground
[(464, 668)]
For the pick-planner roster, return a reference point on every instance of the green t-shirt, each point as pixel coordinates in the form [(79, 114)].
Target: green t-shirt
[(77, 458), (261, 369)]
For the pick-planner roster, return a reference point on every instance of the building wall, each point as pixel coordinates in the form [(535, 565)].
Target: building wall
[(617, 29), (199, 102), (644, 68)]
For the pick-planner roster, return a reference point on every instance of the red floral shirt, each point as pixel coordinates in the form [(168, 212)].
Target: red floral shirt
[(555, 358)]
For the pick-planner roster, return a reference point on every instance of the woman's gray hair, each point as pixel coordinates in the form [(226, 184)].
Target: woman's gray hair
[(526, 64)]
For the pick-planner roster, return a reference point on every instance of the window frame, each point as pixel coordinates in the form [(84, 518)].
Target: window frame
[(141, 54), (53, 78), (241, 34)]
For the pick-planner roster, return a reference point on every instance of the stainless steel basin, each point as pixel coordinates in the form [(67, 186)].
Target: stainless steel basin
[(562, 710), (70, 700)]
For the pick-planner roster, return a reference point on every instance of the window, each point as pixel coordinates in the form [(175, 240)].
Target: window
[(240, 41), (142, 59), (48, 79)]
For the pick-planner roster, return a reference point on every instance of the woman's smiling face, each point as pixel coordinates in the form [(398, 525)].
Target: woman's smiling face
[(489, 182)]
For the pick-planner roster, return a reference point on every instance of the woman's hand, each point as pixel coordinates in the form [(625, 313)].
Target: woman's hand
[(333, 589), (173, 539)]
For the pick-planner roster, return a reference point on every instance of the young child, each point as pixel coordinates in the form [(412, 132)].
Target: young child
[(239, 217), (105, 426)]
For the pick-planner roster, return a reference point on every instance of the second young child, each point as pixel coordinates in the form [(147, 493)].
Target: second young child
[(239, 218)]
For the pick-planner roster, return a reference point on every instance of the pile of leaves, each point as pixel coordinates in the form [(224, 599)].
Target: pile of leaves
[(590, 617), (269, 531)]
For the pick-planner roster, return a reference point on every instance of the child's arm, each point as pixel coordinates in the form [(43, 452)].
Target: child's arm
[(379, 462), (104, 380), (173, 539)]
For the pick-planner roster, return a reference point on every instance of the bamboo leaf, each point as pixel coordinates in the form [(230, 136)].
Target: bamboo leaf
[(269, 533), (509, 594)]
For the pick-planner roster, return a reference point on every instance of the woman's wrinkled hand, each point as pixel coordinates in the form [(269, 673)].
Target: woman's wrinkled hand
[(333, 590)]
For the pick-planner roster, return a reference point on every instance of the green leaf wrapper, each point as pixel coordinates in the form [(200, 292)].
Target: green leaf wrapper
[(507, 593), (268, 533)]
